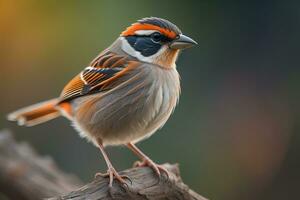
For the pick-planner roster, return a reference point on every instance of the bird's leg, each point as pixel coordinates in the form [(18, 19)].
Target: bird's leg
[(111, 172), (146, 161)]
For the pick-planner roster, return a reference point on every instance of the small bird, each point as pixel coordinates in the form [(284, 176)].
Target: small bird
[(125, 94)]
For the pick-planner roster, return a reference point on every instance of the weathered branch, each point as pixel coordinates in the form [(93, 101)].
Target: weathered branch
[(144, 185), (25, 175)]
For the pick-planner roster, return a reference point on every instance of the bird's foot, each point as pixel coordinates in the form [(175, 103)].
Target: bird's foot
[(113, 174), (149, 163)]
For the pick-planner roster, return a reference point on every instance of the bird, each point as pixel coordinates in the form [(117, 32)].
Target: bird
[(124, 95)]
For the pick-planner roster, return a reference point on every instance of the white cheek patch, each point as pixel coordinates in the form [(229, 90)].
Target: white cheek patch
[(144, 32), (131, 51)]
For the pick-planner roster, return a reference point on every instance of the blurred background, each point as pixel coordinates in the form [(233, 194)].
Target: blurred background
[(235, 132)]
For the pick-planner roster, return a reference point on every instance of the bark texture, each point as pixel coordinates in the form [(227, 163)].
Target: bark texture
[(25, 175), (144, 185)]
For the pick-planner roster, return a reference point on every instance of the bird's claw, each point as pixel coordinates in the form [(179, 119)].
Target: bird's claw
[(113, 174), (149, 163)]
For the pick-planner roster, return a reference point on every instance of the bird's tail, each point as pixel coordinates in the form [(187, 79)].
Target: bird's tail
[(35, 114)]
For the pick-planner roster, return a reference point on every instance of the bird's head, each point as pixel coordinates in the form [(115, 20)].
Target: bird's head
[(155, 40)]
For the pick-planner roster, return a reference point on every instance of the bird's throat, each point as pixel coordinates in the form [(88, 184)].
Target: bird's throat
[(167, 58)]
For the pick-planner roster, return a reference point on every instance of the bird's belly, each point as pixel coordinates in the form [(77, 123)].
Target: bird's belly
[(128, 114)]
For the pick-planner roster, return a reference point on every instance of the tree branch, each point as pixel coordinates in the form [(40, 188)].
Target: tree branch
[(24, 175), (144, 185)]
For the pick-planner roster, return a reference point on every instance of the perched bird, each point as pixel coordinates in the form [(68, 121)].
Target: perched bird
[(126, 93)]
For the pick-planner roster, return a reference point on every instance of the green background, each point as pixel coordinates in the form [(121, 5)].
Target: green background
[(235, 132)]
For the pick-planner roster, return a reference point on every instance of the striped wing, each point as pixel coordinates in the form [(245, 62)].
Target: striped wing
[(97, 77)]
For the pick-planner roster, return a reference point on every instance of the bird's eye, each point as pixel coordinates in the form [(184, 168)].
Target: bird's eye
[(156, 37)]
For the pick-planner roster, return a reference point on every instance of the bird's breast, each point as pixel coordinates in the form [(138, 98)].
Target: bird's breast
[(140, 104)]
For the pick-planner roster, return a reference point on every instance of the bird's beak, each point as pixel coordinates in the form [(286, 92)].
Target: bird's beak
[(183, 42)]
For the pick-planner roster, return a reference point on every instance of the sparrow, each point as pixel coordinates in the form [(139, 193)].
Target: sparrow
[(124, 95)]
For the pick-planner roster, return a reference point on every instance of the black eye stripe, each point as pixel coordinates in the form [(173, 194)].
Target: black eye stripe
[(144, 44), (163, 38), (156, 37)]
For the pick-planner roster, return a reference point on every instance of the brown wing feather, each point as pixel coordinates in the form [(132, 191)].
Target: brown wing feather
[(73, 88), (98, 76)]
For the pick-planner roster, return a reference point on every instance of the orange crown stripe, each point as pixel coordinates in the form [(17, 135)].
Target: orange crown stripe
[(137, 26)]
